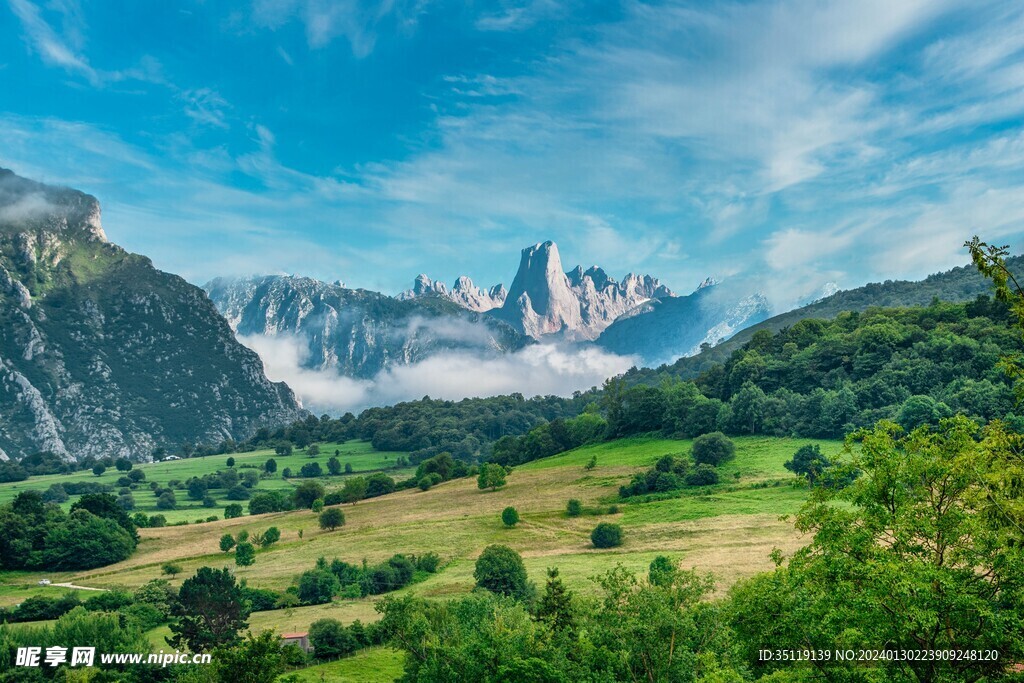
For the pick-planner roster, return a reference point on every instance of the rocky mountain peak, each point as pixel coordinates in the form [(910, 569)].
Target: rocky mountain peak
[(463, 292), (93, 337)]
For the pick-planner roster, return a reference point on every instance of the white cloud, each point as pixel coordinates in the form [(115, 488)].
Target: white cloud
[(51, 47), (540, 369)]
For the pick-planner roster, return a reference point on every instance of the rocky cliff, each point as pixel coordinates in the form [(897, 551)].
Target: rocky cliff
[(357, 332), (578, 305), (101, 353)]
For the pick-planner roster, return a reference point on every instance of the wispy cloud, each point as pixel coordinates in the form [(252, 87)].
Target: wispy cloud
[(53, 48)]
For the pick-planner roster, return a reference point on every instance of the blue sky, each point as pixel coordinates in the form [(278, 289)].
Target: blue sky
[(790, 142)]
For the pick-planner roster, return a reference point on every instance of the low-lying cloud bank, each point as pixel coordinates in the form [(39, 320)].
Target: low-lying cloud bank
[(539, 369)]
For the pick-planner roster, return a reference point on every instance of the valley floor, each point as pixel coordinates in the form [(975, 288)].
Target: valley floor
[(728, 530)]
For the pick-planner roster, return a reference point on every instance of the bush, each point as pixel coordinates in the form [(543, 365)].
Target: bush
[(713, 449), (428, 562), (429, 480), (702, 475), (232, 511), (157, 521), (227, 542), (171, 569), (500, 569), (331, 519), (606, 535), (318, 505), (166, 501), (574, 508), (334, 498), (510, 516)]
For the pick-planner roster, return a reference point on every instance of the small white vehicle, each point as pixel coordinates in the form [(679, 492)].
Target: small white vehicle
[(44, 582)]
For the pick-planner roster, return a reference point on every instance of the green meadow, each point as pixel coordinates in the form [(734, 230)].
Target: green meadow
[(728, 529)]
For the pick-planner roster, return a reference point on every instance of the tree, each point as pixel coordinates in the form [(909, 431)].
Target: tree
[(230, 462), (306, 493), (713, 449), (210, 611), (348, 468), (662, 571), (808, 462), (354, 490), (137, 476), (318, 505), (574, 508), (232, 511), (270, 466), (334, 466), (331, 519), (123, 464), (318, 586), (922, 552), (84, 541), (510, 516), (500, 570), (492, 476), (171, 569), (106, 506), (227, 542), (98, 469), (245, 554), (258, 659), (330, 639), (591, 464), (283, 449), (197, 489), (555, 605), (313, 451), (166, 501), (606, 535), (269, 537)]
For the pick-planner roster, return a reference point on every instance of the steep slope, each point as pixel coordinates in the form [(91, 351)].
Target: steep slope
[(578, 305), (102, 354), (957, 285), (355, 331), (662, 330)]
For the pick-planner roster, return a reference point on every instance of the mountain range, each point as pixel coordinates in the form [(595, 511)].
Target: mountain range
[(101, 353), (357, 332), (360, 333)]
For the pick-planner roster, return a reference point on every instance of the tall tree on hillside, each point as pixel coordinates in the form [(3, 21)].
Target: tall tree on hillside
[(210, 611)]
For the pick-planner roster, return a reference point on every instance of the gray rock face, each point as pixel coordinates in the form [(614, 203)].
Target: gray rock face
[(463, 292), (102, 354), (577, 305), (357, 332)]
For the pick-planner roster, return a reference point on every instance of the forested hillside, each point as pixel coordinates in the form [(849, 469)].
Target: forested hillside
[(957, 285)]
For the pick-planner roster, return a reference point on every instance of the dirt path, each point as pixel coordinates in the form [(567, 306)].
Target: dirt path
[(81, 588)]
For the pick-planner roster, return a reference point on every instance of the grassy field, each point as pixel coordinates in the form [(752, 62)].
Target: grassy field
[(728, 530), (359, 454)]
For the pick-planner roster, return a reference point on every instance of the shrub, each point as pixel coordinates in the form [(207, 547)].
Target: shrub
[(606, 535), (428, 562), (574, 508), (232, 511), (510, 516), (713, 449), (157, 521), (269, 537), (318, 505), (167, 501), (171, 569), (702, 475)]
